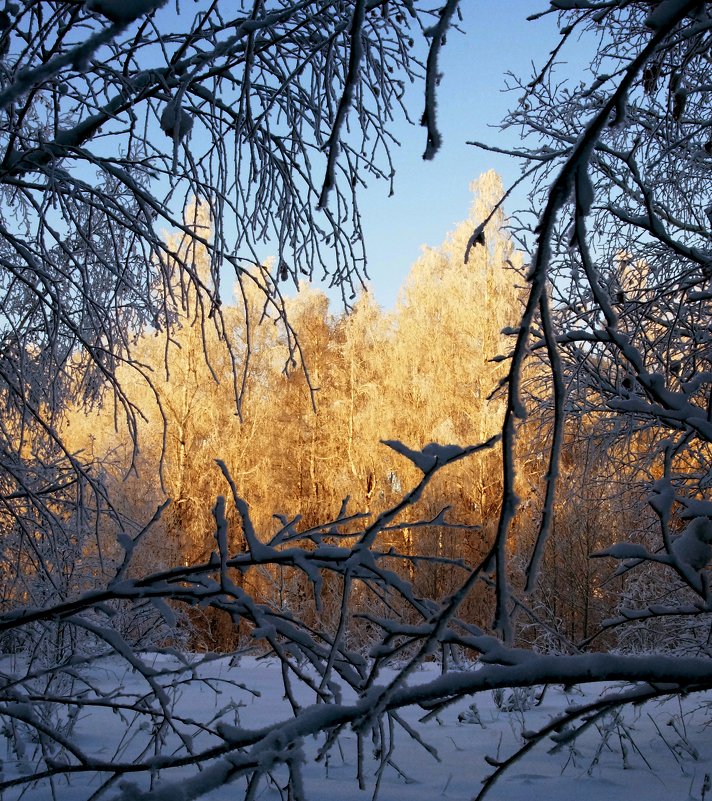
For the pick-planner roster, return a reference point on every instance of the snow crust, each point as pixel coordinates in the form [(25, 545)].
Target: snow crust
[(659, 751)]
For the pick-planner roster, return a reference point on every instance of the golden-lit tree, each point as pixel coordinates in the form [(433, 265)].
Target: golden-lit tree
[(450, 324), (303, 438)]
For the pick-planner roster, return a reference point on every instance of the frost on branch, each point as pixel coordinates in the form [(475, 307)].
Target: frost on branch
[(430, 456), (176, 122), (693, 547), (123, 11)]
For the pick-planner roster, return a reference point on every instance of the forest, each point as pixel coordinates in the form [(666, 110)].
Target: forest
[(213, 478), (304, 434)]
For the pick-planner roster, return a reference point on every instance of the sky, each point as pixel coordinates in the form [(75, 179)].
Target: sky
[(432, 197)]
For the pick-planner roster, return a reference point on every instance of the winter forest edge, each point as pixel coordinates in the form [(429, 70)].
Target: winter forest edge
[(506, 476)]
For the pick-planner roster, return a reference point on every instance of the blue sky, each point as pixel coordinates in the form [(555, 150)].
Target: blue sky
[(431, 197)]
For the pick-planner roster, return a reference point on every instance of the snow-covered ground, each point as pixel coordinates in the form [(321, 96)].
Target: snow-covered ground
[(657, 752)]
